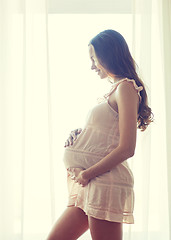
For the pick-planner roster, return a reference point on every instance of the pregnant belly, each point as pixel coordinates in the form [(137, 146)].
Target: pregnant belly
[(78, 159)]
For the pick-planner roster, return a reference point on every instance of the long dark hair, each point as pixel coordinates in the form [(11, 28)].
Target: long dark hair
[(113, 54)]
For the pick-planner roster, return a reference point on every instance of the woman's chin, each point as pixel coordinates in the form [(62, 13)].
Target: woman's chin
[(102, 76)]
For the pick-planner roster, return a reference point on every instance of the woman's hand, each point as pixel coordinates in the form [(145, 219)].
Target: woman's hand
[(77, 174), (81, 179), (72, 137)]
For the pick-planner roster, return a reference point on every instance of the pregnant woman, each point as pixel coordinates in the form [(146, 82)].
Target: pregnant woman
[(100, 182)]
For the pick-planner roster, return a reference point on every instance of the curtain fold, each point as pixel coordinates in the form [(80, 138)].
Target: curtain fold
[(26, 180), (166, 33), (151, 28)]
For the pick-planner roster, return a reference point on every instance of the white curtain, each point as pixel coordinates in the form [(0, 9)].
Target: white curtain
[(26, 177), (32, 195), (151, 49)]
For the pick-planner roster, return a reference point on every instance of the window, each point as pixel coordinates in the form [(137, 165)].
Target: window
[(90, 6)]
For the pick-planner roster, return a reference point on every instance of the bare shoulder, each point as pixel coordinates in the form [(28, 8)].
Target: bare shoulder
[(126, 87), (126, 90), (126, 94)]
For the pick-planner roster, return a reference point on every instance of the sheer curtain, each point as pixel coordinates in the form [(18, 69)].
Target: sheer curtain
[(26, 177), (33, 190), (151, 49)]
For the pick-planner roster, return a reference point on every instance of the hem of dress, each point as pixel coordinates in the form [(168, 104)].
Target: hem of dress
[(119, 218)]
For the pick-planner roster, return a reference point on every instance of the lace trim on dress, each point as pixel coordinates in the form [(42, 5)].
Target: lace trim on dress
[(115, 85)]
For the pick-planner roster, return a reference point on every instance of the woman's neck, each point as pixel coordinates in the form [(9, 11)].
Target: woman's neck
[(114, 79)]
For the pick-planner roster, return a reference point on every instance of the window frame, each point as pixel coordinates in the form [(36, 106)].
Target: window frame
[(89, 6)]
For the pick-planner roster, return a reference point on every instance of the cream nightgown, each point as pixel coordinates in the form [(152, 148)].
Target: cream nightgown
[(109, 196)]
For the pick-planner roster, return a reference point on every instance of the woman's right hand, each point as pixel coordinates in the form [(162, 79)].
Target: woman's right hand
[(72, 137)]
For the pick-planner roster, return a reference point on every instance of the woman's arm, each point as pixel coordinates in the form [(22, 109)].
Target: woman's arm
[(127, 101)]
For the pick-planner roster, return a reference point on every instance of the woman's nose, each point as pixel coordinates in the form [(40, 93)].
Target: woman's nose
[(93, 66)]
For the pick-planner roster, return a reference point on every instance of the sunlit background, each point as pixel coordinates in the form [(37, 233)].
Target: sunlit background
[(47, 89)]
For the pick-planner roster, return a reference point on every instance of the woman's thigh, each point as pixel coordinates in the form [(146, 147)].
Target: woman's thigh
[(72, 224), (104, 230)]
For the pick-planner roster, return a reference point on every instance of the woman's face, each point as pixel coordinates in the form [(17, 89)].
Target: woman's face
[(95, 63)]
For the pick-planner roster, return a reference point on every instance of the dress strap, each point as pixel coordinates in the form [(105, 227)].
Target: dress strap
[(115, 85)]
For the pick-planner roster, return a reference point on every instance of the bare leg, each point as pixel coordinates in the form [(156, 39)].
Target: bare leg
[(104, 230), (70, 226)]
